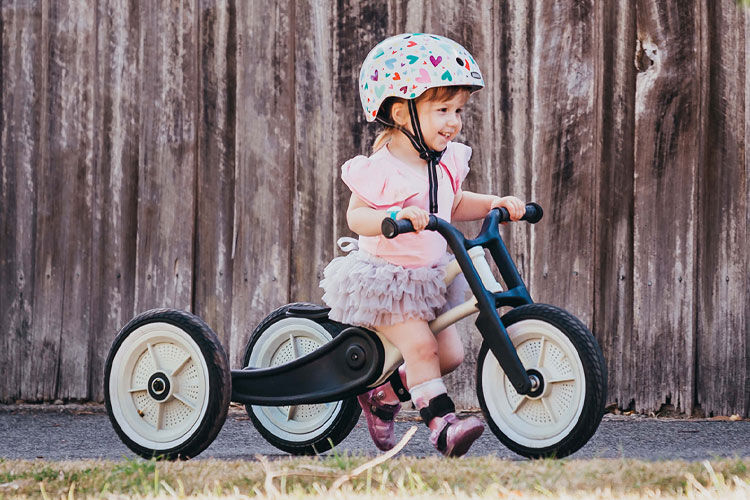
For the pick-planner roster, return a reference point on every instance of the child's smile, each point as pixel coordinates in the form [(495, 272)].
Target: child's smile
[(441, 120)]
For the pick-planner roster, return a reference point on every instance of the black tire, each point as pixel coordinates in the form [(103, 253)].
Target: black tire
[(561, 419), (328, 424), (191, 407)]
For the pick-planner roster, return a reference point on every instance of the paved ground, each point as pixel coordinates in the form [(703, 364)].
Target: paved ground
[(85, 432)]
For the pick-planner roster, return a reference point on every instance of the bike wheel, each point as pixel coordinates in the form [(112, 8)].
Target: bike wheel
[(298, 429), (562, 415), (167, 385)]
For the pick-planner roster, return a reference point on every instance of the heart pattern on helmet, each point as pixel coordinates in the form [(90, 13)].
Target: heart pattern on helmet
[(408, 64)]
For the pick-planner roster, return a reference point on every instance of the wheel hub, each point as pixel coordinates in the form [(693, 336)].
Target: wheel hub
[(537, 383), (159, 387)]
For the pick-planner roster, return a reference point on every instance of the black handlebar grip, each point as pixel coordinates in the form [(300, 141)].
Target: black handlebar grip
[(532, 215), (392, 228)]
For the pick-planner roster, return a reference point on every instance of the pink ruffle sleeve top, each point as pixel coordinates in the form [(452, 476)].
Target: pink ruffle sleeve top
[(386, 183)]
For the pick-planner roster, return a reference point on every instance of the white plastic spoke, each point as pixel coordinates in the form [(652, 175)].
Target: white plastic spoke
[(549, 410), (294, 346), (137, 389), (180, 366), (520, 403), (182, 399), (159, 416), (561, 379), (291, 413), (540, 362), (153, 356)]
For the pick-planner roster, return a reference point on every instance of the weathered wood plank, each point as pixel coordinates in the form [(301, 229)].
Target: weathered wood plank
[(71, 145), (564, 149), (315, 167), (20, 107), (264, 161), (115, 202), (63, 225), (668, 126), (215, 174), (613, 315), (509, 115), (167, 161), (722, 267)]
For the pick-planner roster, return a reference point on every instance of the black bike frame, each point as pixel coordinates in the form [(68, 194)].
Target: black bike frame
[(488, 322)]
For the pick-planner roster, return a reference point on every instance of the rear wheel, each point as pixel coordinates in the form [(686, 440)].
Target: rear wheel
[(167, 384), (562, 414), (298, 429)]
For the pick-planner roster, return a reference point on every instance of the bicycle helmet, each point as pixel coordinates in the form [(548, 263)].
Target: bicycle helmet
[(406, 66)]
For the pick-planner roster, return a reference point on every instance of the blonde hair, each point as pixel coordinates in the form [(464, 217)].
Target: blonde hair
[(432, 94)]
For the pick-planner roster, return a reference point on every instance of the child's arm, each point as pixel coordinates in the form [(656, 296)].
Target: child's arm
[(365, 220), (474, 206)]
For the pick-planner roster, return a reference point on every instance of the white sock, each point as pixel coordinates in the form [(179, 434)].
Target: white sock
[(421, 394)]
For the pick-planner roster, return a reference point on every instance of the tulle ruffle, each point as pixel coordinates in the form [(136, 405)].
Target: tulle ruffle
[(368, 291)]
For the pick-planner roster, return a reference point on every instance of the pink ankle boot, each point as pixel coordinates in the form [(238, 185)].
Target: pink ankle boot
[(453, 436), (379, 417)]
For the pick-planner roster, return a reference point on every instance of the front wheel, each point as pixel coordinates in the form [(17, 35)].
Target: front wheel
[(167, 384), (562, 414)]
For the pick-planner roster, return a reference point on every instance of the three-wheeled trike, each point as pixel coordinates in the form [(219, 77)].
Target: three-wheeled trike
[(540, 378)]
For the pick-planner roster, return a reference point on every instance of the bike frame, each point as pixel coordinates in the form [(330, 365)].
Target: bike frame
[(358, 358)]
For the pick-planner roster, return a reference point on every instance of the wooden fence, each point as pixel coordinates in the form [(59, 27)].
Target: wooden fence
[(186, 154)]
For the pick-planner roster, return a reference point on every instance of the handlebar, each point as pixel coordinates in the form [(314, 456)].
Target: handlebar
[(392, 228)]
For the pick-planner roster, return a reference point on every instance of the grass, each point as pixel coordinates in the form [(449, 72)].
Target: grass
[(404, 477)]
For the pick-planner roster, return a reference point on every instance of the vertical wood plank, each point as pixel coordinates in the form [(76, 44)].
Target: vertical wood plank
[(668, 126), (264, 152), (167, 161), (20, 107), (215, 174), (116, 120), (64, 203), (613, 317), (564, 150), (315, 168), (722, 323), (510, 116), (359, 26)]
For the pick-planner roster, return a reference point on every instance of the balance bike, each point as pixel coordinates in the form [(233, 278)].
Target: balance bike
[(541, 378)]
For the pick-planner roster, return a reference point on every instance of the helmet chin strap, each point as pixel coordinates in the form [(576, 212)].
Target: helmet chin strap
[(431, 156)]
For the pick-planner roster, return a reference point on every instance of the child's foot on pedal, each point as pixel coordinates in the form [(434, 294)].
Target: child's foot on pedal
[(453, 437), (379, 417)]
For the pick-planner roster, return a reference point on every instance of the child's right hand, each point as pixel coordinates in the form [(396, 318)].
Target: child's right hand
[(419, 217)]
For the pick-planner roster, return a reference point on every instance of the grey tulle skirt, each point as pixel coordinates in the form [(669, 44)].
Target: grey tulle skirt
[(368, 291)]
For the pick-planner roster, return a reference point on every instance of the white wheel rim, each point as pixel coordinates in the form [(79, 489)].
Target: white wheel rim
[(545, 420), (282, 342), (150, 349)]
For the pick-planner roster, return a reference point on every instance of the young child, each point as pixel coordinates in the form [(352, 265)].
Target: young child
[(416, 85)]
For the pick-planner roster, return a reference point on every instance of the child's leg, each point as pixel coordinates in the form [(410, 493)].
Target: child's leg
[(450, 349), (418, 346), (450, 354)]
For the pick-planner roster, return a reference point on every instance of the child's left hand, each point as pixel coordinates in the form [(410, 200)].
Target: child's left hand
[(516, 208)]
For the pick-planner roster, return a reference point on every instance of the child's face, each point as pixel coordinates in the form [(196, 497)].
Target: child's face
[(441, 120)]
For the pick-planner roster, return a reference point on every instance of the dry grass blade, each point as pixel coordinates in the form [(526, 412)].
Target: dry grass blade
[(271, 490), (376, 461)]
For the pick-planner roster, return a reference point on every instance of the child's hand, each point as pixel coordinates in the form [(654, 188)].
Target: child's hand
[(418, 217), (516, 208)]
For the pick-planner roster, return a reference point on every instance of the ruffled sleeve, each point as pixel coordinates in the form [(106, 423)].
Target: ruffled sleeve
[(376, 183), (459, 167)]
